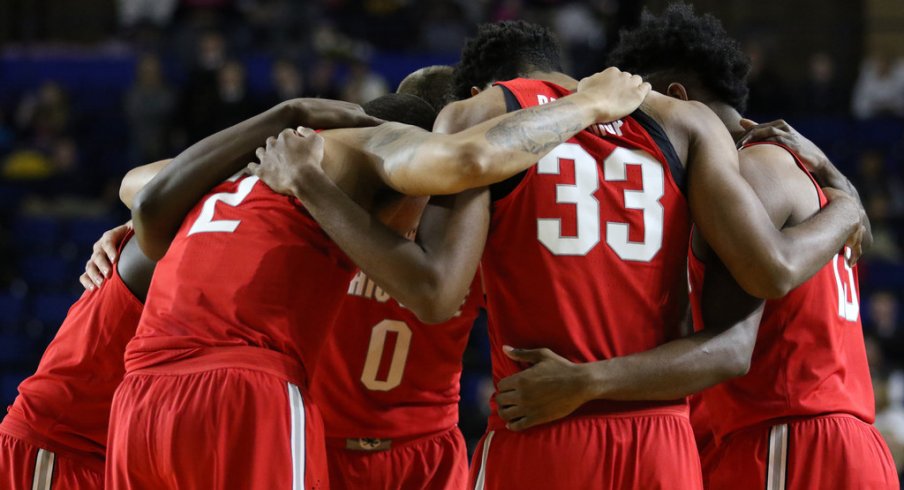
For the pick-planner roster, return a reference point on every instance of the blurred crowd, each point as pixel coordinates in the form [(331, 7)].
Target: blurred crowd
[(197, 66)]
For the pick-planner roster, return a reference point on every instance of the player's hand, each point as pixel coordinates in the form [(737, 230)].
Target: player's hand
[(328, 114), (614, 93), (853, 247), (286, 158), (105, 253), (781, 132), (550, 389)]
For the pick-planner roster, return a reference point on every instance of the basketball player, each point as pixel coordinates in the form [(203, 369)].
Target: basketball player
[(241, 303), (801, 418), (55, 433), (540, 289)]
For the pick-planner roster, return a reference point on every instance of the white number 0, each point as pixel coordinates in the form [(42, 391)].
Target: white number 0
[(375, 355), (586, 183), (205, 222)]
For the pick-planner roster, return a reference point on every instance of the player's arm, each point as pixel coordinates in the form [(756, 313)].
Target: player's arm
[(430, 275), (417, 162), (161, 205), (766, 261), (817, 162)]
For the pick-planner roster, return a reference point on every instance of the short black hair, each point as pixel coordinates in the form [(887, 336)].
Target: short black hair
[(431, 83), (503, 51), (403, 108), (680, 42)]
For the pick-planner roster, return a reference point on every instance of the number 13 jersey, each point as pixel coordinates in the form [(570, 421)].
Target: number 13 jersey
[(586, 254)]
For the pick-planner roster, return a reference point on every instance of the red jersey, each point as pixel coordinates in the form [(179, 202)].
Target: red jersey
[(65, 406), (384, 373), (809, 357), (248, 267), (586, 254)]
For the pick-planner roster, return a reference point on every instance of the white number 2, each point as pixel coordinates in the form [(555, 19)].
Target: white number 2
[(849, 310), (205, 222), (586, 183), (375, 355)]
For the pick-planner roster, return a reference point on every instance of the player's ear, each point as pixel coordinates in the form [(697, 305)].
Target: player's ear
[(677, 91), (474, 91)]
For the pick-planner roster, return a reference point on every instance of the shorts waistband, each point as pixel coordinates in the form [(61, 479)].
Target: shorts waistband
[(13, 427), (791, 419), (378, 444), (611, 410), (203, 359)]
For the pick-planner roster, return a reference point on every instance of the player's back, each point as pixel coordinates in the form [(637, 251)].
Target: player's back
[(586, 253), (248, 267), (384, 373), (809, 358), (65, 405)]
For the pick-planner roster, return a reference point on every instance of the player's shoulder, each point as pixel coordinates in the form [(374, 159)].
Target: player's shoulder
[(465, 113), (767, 157)]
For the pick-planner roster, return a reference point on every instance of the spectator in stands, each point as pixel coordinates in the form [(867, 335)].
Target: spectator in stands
[(890, 415), (44, 115), (149, 107), (363, 85), (233, 102), (158, 13), (768, 92), (287, 83), (880, 88), (883, 321), (886, 237), (198, 96), (444, 28), (583, 36), (321, 79), (823, 93)]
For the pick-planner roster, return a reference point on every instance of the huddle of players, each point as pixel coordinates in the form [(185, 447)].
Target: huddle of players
[(236, 328)]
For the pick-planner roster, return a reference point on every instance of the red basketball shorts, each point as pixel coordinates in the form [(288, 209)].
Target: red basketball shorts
[(24, 465), (827, 452), (219, 429), (643, 452), (437, 462)]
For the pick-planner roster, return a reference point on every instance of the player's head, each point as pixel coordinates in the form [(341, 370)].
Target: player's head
[(431, 83), (503, 51), (685, 55), (403, 108)]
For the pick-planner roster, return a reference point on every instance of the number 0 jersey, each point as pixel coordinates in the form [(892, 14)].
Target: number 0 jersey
[(586, 254), (809, 357), (384, 373), (248, 267), (64, 406)]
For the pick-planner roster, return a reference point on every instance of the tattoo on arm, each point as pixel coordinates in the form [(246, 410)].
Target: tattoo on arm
[(527, 132)]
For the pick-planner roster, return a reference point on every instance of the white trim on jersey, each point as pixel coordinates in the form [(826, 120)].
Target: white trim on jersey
[(482, 474), (43, 476), (296, 410), (777, 459)]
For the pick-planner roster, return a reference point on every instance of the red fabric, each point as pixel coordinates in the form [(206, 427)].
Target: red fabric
[(808, 359), (275, 281), (65, 406), (17, 468), (837, 452), (356, 402), (428, 463), (223, 428), (643, 452), (595, 305)]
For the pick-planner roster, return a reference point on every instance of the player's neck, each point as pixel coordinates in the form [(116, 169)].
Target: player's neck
[(555, 77), (730, 117)]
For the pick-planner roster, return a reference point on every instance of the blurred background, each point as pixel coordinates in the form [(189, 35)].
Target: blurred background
[(89, 89)]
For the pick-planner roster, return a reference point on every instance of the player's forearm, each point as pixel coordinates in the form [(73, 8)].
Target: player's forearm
[(404, 269), (162, 204), (484, 154), (828, 175), (137, 178)]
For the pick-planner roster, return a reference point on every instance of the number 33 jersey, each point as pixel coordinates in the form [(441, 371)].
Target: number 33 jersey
[(586, 254), (384, 373), (248, 267)]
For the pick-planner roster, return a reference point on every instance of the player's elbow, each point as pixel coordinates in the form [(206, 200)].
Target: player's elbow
[(432, 303), (773, 280), (472, 164), (145, 218)]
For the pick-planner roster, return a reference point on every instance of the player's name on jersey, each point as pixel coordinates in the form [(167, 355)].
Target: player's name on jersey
[(598, 129)]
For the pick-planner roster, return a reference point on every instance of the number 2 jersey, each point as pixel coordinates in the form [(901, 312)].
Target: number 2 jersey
[(385, 374), (586, 253), (809, 357), (248, 267)]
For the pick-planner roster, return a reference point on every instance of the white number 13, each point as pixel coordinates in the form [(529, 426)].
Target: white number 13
[(586, 183)]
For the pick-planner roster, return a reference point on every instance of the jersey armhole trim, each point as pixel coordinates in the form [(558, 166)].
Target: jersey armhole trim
[(502, 189), (665, 146)]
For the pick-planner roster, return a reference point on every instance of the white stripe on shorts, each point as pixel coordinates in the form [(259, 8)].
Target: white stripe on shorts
[(43, 470), (482, 474), (777, 459), (296, 409)]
